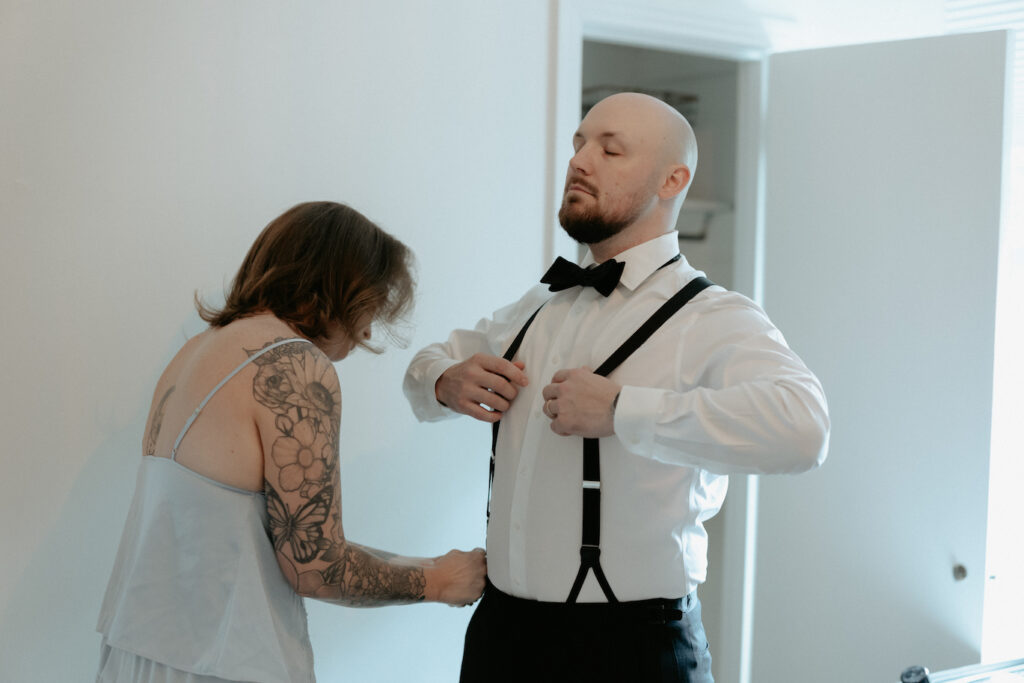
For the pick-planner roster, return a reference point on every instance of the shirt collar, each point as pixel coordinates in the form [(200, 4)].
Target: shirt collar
[(643, 259)]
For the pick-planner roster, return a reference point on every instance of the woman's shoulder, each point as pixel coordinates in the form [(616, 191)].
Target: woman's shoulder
[(242, 339), (217, 351), (277, 357)]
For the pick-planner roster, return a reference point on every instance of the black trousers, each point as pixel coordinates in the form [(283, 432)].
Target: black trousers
[(511, 639)]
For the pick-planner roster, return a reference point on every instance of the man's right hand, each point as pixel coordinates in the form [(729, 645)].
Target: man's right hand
[(481, 386)]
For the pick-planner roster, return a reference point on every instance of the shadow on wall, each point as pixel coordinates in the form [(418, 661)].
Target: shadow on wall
[(56, 602)]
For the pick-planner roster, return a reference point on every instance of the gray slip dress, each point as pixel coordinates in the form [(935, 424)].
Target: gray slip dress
[(196, 594)]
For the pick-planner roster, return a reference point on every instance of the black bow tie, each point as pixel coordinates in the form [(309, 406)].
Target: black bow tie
[(565, 274)]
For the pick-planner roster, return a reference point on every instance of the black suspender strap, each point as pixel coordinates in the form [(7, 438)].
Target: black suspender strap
[(590, 549), (509, 355)]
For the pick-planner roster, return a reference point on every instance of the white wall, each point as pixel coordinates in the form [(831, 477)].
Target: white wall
[(142, 147)]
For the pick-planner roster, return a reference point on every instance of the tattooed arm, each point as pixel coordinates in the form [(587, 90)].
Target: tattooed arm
[(299, 420), (386, 556)]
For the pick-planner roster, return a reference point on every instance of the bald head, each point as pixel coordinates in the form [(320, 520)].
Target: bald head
[(668, 134)]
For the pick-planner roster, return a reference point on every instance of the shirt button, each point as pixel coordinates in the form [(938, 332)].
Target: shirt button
[(556, 359)]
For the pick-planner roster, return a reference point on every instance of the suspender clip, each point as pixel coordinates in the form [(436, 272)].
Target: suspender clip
[(589, 554), (587, 484)]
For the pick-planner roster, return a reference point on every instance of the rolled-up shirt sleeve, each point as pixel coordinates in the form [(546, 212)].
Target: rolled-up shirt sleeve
[(755, 408)]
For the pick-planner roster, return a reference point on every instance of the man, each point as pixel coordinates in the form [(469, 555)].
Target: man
[(714, 390)]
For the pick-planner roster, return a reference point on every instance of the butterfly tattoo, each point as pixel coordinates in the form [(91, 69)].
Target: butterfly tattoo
[(303, 530)]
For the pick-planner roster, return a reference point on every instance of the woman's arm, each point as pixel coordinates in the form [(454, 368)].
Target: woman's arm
[(299, 418)]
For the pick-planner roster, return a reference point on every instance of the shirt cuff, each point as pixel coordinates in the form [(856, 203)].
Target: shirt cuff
[(635, 417), (432, 408)]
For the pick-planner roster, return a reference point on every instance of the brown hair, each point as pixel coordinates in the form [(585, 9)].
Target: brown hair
[(320, 262)]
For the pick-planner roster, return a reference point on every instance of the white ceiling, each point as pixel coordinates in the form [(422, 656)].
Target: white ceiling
[(799, 24)]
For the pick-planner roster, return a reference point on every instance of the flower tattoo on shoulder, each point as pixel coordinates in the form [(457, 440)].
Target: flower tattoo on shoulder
[(299, 386)]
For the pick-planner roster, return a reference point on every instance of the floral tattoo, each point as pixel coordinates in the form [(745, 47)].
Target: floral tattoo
[(290, 380), (299, 386)]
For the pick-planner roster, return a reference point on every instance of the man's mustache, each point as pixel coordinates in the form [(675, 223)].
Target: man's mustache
[(581, 183)]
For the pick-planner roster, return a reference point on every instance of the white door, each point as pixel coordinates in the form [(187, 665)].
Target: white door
[(882, 210)]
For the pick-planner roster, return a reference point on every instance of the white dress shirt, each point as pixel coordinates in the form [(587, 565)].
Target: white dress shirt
[(714, 391)]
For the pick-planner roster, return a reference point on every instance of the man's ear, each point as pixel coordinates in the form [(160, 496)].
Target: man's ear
[(677, 180)]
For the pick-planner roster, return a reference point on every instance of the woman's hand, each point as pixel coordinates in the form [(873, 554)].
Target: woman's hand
[(460, 576)]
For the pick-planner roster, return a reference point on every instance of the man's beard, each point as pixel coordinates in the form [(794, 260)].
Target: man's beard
[(590, 227)]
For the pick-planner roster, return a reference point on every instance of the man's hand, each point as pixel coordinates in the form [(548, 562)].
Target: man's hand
[(481, 386), (579, 403)]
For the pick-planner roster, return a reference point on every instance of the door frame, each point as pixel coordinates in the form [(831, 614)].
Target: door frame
[(725, 33)]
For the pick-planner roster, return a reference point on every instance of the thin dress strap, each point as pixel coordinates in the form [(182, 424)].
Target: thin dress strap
[(195, 414)]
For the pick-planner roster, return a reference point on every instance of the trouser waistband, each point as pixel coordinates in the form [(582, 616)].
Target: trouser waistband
[(654, 611)]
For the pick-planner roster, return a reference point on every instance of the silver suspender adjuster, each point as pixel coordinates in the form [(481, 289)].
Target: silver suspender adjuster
[(587, 484)]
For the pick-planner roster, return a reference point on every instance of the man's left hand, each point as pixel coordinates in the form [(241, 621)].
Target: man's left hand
[(579, 403)]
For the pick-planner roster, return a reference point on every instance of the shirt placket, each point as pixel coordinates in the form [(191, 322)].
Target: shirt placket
[(560, 354)]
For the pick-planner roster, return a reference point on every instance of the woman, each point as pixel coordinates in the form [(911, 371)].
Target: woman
[(237, 508)]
